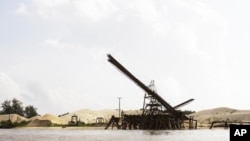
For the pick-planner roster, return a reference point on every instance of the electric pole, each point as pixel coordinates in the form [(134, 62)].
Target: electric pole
[(119, 98)]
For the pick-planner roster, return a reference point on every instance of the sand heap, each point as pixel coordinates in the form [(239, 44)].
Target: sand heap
[(84, 115), (89, 116), (133, 112), (45, 120), (13, 117), (39, 123), (54, 119), (206, 117)]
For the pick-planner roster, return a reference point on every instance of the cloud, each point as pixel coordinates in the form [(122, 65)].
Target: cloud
[(52, 42), (22, 9), (52, 4), (58, 43), (45, 98), (52, 10), (170, 88), (95, 10), (8, 87), (178, 43), (147, 10), (98, 53)]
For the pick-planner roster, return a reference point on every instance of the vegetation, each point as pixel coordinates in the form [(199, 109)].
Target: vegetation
[(14, 106), (30, 111), (9, 124), (6, 124)]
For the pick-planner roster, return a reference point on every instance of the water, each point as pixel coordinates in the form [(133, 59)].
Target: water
[(71, 134)]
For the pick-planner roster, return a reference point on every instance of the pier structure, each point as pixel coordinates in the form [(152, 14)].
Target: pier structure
[(157, 114)]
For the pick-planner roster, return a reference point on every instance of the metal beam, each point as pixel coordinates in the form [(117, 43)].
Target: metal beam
[(144, 87), (183, 103)]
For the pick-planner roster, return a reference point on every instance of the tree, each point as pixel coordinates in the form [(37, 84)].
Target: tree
[(7, 108), (17, 107), (14, 106), (30, 111)]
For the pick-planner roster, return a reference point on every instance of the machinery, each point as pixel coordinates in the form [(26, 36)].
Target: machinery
[(156, 113)]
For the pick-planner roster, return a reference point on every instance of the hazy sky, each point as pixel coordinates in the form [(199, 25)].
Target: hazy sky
[(53, 52)]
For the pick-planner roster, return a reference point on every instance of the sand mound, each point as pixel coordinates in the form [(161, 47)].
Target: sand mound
[(39, 123), (54, 119), (89, 116), (84, 115), (13, 118), (206, 117), (133, 112), (34, 118), (220, 110)]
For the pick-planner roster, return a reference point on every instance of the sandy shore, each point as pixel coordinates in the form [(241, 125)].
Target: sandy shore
[(67, 128)]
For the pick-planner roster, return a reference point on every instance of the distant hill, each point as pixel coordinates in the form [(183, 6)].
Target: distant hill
[(206, 117)]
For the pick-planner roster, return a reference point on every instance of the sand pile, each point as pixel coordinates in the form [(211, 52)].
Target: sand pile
[(133, 112), (45, 120), (206, 117), (34, 118), (84, 115), (39, 123), (89, 116), (54, 119), (13, 118)]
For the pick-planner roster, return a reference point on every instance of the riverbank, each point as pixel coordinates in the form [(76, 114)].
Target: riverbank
[(92, 119)]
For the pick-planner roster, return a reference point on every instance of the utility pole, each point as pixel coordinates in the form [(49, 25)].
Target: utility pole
[(119, 98)]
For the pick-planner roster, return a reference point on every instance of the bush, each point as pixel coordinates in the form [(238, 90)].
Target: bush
[(6, 124)]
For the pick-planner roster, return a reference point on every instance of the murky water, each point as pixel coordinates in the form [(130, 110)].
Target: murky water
[(69, 134)]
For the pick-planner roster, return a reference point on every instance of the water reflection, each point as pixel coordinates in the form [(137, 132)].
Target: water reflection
[(156, 132), (48, 134)]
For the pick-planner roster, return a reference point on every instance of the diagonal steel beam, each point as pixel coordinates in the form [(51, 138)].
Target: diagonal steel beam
[(144, 87)]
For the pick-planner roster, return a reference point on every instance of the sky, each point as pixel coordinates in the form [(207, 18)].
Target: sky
[(53, 54)]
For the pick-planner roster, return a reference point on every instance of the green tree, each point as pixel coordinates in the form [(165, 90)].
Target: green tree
[(30, 111), (17, 107), (14, 106), (7, 107)]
